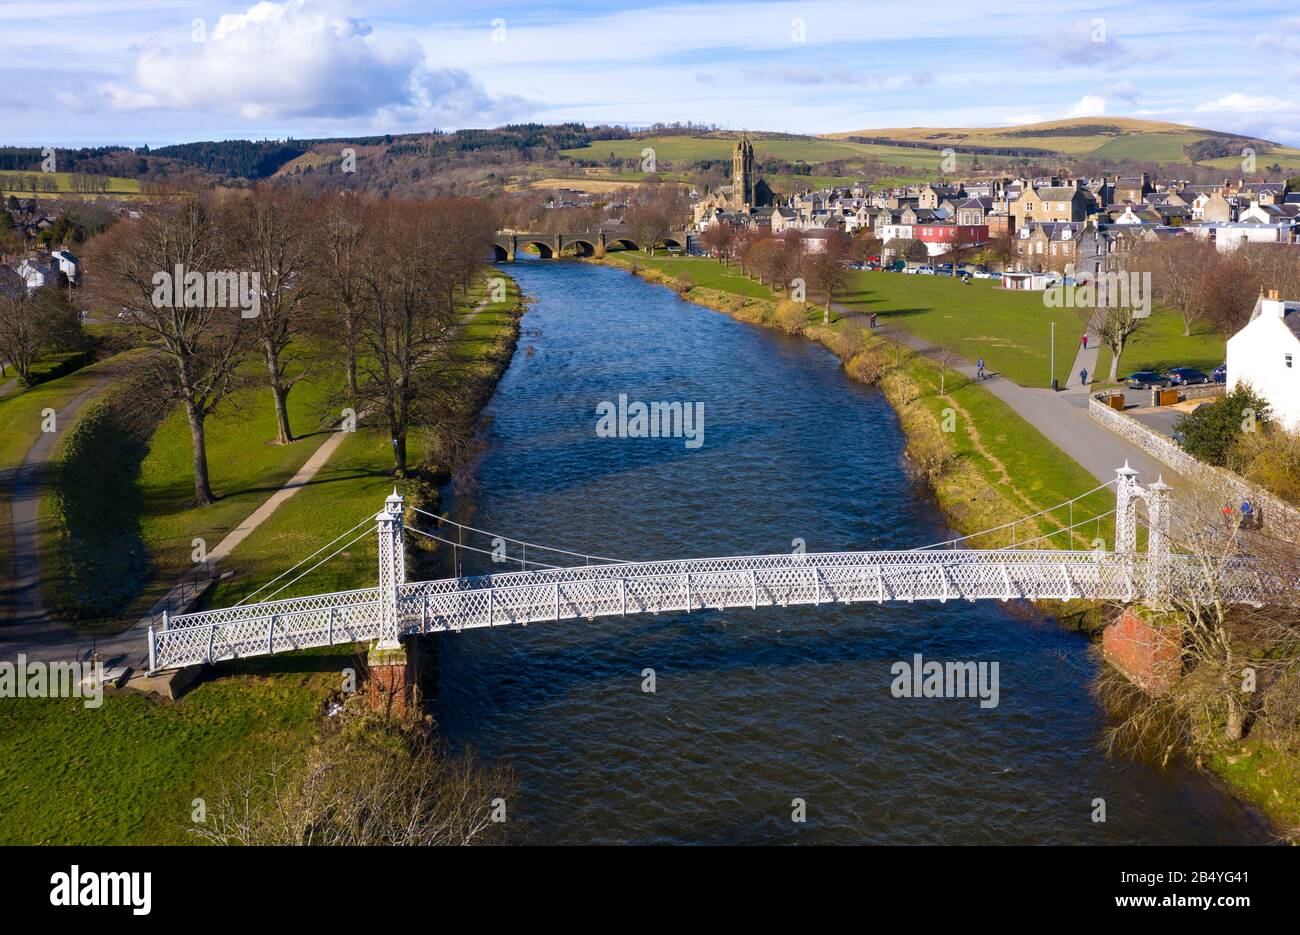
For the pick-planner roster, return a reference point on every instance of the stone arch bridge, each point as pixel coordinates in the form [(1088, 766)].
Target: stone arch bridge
[(507, 244)]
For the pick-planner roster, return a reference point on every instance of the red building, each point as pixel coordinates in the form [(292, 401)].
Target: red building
[(963, 235)]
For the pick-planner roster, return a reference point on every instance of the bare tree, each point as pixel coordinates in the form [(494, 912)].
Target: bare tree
[(1232, 612), (20, 332), (339, 256), (1176, 267), (202, 337), (420, 256), (369, 782), (828, 269), (1115, 325), (269, 236)]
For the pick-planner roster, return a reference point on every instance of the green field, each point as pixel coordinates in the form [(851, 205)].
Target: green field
[(10, 184), (678, 149)]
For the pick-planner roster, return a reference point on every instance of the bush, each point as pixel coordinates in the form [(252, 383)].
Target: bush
[(683, 284), (1211, 431), (791, 317)]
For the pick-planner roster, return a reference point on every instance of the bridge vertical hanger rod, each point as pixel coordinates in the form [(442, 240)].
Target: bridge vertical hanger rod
[(392, 568), (753, 589), (330, 628)]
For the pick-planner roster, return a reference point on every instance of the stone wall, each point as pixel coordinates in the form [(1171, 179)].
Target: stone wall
[(1277, 514)]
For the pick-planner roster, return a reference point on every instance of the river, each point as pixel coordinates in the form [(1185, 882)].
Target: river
[(754, 709)]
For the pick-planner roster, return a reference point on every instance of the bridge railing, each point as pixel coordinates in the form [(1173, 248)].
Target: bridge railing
[(699, 584), (686, 586)]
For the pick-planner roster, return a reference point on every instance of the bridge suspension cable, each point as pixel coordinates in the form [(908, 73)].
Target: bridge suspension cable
[(368, 519), (461, 545), (526, 545), (1015, 522), (1056, 532)]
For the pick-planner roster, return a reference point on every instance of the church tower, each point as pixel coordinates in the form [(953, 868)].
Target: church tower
[(742, 174)]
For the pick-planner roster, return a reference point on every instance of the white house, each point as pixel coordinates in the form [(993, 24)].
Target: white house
[(1228, 237), (68, 265), (1266, 354), (36, 273)]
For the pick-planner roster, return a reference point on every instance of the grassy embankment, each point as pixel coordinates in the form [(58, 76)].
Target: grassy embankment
[(129, 771), (991, 468)]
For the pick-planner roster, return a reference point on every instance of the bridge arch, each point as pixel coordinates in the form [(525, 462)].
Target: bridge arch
[(499, 253), (545, 250), (622, 243), (673, 242), (582, 246)]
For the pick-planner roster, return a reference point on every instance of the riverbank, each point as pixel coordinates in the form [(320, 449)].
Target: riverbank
[(131, 771), (968, 445)]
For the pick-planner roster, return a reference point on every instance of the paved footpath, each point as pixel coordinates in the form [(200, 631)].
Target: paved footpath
[(1062, 417), (29, 482)]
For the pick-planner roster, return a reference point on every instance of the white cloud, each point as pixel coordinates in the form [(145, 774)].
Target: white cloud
[(303, 59), (1245, 103), (1090, 105)]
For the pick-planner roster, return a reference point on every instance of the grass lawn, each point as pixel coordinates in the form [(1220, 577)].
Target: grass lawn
[(1010, 330), (128, 772), (703, 272), (1159, 344)]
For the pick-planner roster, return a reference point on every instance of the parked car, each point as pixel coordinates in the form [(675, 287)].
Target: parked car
[(926, 270), (1187, 376), (1145, 380), (1220, 374)]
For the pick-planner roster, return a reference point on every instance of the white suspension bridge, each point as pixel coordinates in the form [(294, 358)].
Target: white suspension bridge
[(601, 587)]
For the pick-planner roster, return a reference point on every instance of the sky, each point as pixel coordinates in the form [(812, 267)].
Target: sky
[(135, 72)]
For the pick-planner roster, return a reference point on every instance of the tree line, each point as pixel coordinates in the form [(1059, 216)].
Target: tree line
[(374, 282)]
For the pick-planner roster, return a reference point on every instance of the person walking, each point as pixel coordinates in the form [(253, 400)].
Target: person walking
[(979, 369), (873, 319), (1247, 515), (1083, 377), (1083, 342)]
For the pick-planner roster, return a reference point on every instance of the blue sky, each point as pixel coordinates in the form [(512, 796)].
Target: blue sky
[(92, 72)]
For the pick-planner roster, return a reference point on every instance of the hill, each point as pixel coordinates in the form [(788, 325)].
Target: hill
[(1097, 139)]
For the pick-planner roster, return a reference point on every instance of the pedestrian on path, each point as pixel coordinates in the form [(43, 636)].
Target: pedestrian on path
[(1083, 342), (979, 369), (873, 319), (1083, 377)]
